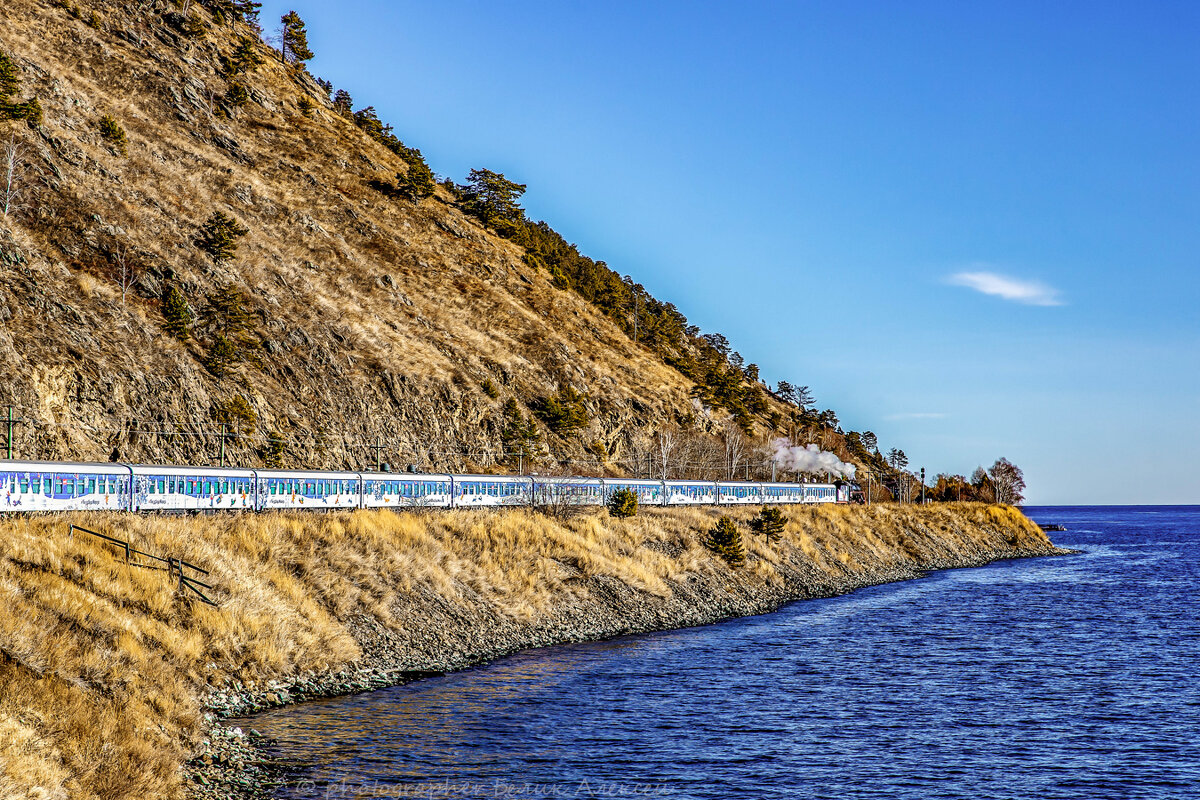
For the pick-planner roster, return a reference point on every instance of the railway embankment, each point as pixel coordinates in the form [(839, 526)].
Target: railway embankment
[(114, 682)]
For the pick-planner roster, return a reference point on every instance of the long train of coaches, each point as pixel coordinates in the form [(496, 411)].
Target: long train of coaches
[(63, 486)]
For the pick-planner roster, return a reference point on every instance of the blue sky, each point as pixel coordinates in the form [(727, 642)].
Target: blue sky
[(968, 227)]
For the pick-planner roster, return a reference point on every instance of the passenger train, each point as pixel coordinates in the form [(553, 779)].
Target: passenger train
[(61, 486)]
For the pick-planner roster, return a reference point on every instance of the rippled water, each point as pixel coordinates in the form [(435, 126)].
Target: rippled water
[(1054, 677)]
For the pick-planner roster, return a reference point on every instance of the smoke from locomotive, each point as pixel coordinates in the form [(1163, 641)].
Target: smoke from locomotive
[(811, 459)]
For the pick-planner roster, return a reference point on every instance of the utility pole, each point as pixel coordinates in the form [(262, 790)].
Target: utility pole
[(922, 486), (378, 448), (222, 454), (10, 432)]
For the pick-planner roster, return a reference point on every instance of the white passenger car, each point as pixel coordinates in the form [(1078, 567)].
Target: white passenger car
[(690, 493), (731, 493), (567, 491), (63, 486), (157, 488), (308, 490), (406, 490), (483, 491), (649, 493)]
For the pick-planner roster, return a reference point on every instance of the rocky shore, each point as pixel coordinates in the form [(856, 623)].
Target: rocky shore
[(235, 763), (114, 684)]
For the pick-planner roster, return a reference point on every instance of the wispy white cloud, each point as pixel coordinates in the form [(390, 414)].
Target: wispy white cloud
[(916, 415), (1031, 293)]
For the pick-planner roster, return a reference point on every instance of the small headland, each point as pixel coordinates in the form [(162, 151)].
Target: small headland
[(113, 680)]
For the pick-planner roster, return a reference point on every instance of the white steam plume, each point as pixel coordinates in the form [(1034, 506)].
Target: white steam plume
[(795, 458)]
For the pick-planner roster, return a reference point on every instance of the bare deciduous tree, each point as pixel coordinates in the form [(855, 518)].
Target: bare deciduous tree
[(666, 444), (126, 269), (1008, 481), (735, 447), (14, 167)]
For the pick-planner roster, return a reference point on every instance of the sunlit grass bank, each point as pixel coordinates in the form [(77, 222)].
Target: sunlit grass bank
[(104, 666)]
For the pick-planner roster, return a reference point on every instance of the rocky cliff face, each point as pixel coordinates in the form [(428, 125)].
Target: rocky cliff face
[(359, 320)]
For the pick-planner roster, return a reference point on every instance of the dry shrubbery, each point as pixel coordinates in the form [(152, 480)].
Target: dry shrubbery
[(102, 664)]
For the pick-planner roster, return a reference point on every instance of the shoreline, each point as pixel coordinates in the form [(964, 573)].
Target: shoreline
[(114, 683), (236, 763)]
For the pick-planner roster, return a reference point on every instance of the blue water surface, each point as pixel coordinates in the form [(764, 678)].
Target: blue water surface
[(1063, 677)]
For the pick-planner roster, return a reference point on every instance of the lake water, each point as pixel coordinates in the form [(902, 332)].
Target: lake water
[(1066, 677)]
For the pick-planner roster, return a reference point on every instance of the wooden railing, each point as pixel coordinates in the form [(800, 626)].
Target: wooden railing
[(175, 566)]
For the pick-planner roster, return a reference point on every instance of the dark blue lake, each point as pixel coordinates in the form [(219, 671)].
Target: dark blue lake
[(1066, 677)]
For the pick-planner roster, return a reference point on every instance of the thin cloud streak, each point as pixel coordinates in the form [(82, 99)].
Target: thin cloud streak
[(1030, 293), (916, 415)]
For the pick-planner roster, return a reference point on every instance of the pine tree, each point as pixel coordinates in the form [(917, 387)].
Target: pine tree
[(418, 182), (726, 541), (114, 134), (218, 236), (493, 198), (343, 103), (221, 356), (520, 435), (623, 503), (245, 58), (235, 411), (247, 10), (10, 83), (177, 313), (770, 522), (272, 454), (565, 412), (10, 78), (237, 96), (294, 39)]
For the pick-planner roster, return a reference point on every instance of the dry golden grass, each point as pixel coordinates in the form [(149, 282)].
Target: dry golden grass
[(103, 664)]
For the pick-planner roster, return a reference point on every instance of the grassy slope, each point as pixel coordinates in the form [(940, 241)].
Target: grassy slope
[(103, 667)]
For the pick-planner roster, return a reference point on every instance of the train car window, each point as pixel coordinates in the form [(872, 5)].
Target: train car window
[(91, 486)]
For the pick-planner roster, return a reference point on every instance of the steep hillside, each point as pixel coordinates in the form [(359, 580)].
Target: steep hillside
[(351, 325)]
